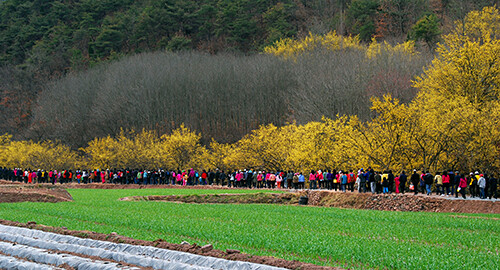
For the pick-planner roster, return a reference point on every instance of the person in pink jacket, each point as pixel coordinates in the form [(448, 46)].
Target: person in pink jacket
[(33, 177), (179, 178), (396, 180), (446, 183), (312, 180), (238, 177)]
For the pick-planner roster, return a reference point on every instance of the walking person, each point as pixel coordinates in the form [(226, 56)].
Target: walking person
[(178, 177), (481, 183), (91, 177), (343, 182), (312, 180), (428, 182), (192, 177), (351, 179), (295, 181), (451, 176), (185, 178), (362, 181), (385, 182), (211, 177), (249, 177), (439, 183), (493, 187), (446, 183), (289, 180), (260, 180), (232, 178), (302, 180), (396, 180), (319, 180), (254, 179), (391, 181), (336, 181), (456, 183), (422, 183), (51, 178), (402, 182), (272, 180), (462, 186), (472, 182), (223, 178), (372, 182), (279, 179), (377, 180), (415, 180)]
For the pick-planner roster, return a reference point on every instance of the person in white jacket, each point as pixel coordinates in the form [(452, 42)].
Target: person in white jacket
[(482, 185)]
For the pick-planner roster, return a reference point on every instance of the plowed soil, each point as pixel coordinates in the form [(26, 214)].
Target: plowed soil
[(392, 202), (33, 193)]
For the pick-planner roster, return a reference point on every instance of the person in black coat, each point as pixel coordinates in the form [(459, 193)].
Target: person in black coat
[(415, 180), (428, 178), (391, 181), (493, 186), (402, 182)]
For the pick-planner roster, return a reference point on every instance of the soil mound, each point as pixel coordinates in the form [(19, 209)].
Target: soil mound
[(391, 202), (262, 198), (33, 193), (135, 186)]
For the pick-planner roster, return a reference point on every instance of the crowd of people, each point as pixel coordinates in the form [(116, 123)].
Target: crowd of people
[(446, 183)]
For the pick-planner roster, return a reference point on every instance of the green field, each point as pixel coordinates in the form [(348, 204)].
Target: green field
[(325, 236)]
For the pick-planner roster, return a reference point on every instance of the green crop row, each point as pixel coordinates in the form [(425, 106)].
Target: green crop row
[(326, 236)]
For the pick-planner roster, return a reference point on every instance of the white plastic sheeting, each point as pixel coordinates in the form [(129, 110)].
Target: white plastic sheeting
[(12, 263), (143, 256), (42, 256)]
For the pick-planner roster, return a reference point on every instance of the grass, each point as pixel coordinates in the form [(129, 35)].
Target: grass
[(326, 236)]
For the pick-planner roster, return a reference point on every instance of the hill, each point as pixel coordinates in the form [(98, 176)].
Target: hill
[(42, 41)]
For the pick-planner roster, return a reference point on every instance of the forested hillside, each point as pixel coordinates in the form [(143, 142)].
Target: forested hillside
[(44, 41), (71, 34), (222, 96)]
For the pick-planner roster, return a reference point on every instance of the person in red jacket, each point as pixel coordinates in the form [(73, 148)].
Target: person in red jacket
[(462, 186), (28, 176), (204, 176)]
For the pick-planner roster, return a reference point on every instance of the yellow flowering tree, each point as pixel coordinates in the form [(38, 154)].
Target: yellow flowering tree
[(218, 156), (43, 155), (467, 63), (383, 142), (263, 148), (459, 96), (181, 149), (102, 153), (289, 48)]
